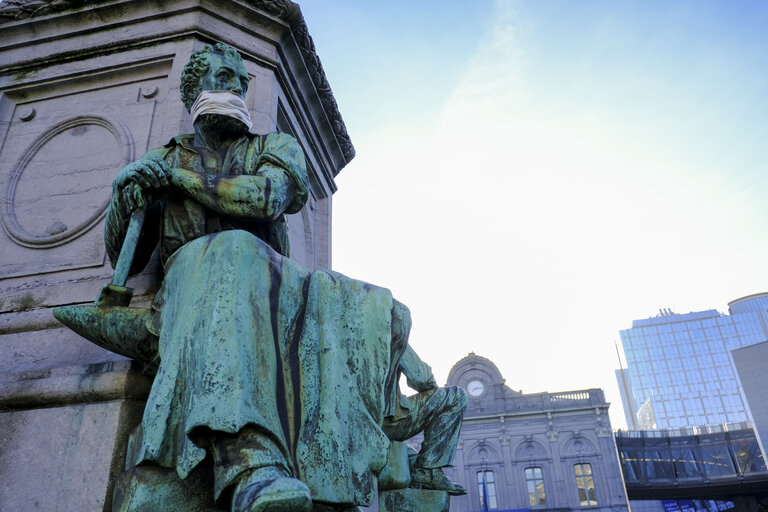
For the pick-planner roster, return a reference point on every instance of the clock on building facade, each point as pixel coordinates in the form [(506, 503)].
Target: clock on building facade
[(476, 387)]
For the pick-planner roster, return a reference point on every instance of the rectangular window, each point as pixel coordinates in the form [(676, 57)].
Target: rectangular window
[(486, 489), (585, 484), (534, 480)]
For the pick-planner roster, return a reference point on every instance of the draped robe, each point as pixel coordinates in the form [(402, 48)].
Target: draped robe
[(247, 336)]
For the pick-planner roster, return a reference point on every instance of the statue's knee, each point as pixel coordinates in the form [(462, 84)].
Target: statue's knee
[(457, 397), (253, 242)]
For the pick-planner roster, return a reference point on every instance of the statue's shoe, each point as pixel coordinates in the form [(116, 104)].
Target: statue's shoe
[(434, 479), (269, 490)]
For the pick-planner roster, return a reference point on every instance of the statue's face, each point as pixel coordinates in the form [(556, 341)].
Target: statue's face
[(224, 74)]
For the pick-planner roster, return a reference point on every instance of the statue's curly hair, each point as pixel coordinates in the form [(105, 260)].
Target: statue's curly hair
[(198, 66)]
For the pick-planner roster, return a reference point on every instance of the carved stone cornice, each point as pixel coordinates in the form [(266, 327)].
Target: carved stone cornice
[(22, 9), (285, 10)]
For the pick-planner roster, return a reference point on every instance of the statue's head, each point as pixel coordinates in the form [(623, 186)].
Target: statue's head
[(213, 68)]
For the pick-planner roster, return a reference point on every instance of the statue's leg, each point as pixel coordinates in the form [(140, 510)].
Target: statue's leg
[(438, 413), (251, 474), (442, 415)]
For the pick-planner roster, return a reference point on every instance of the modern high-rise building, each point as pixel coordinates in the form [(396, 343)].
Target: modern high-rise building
[(679, 368)]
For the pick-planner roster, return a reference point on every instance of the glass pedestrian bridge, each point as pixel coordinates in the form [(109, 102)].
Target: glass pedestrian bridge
[(722, 462)]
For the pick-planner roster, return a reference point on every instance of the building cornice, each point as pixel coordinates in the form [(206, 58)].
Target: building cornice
[(505, 416), (284, 10)]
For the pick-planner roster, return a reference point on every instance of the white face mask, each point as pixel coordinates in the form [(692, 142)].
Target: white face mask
[(225, 103)]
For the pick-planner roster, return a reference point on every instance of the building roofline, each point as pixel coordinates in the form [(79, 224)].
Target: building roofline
[(474, 361), (748, 297), (675, 318)]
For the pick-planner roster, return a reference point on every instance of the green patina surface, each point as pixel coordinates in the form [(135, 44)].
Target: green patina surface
[(275, 387), (414, 500)]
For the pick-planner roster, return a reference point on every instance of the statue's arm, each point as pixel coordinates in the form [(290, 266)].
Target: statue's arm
[(127, 196), (274, 181), (418, 374), (263, 196)]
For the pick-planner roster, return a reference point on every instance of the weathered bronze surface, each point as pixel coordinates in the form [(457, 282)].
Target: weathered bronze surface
[(119, 329), (275, 387)]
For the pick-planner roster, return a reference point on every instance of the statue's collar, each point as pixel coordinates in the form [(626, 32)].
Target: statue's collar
[(184, 140)]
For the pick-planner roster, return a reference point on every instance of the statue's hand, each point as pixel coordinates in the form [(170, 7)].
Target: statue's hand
[(150, 173), (132, 197), (417, 373), (136, 179), (427, 385)]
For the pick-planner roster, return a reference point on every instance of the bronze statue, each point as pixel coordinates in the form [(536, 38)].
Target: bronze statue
[(276, 384)]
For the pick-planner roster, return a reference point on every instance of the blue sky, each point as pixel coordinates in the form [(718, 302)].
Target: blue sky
[(531, 176)]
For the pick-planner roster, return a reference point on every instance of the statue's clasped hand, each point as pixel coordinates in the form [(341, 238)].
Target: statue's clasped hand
[(427, 385), (136, 180)]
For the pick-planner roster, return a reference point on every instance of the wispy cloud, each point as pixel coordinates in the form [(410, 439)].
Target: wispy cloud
[(586, 169)]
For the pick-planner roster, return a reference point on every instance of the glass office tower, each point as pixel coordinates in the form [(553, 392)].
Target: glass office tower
[(679, 370)]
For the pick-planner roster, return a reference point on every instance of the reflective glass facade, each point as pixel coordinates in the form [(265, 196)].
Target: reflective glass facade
[(651, 460), (679, 371)]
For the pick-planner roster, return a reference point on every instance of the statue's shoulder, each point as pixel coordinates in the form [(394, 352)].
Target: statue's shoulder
[(285, 151), (277, 142), (282, 148)]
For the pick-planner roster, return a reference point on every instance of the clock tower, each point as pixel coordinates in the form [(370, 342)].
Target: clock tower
[(483, 382)]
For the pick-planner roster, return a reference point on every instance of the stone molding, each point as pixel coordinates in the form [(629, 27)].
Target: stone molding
[(74, 385), (25, 321), (23, 9), (579, 445), (60, 233), (285, 10), (530, 449)]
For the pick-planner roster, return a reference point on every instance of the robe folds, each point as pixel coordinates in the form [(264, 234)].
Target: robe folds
[(248, 337)]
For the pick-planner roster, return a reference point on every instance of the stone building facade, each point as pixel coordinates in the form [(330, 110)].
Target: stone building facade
[(543, 451), (85, 88)]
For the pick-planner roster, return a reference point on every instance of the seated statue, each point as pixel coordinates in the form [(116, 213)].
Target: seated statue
[(282, 379)]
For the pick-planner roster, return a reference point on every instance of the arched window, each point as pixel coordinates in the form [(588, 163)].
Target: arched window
[(486, 489), (585, 484), (534, 480)]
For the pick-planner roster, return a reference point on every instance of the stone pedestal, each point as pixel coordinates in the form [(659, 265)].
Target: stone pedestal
[(85, 88), (62, 433)]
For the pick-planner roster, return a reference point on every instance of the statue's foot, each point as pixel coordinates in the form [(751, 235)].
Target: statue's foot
[(269, 490), (434, 479)]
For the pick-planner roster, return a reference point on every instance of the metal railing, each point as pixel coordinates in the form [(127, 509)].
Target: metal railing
[(685, 431)]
